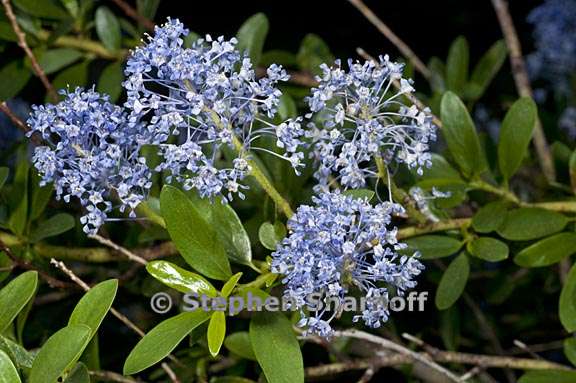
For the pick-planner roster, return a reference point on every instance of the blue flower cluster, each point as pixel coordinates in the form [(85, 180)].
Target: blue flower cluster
[(91, 153), (555, 56), (209, 98), (362, 116), (338, 245)]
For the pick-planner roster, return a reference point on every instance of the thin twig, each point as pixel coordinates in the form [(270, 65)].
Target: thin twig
[(130, 255), (133, 13), (523, 84), (389, 345), (394, 39), (21, 36), (74, 278), (112, 376)]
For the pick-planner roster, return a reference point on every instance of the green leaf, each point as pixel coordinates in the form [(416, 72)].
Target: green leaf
[(110, 81), (433, 246), (312, 53), (487, 68), (76, 75), (18, 74), (179, 279), (108, 28), (572, 169), (58, 355), (94, 305), (548, 251), (19, 216), (488, 249), (460, 135), (457, 65), (48, 9), (570, 350), (3, 175), (270, 234), (8, 373), (531, 223), (216, 332), (147, 8), (40, 196), (53, 226), (239, 344), (22, 358), (251, 36), (71, 6), (489, 217), (567, 307), (453, 282), (360, 193), (162, 339), (229, 286), (515, 135), (548, 376), (15, 295), (79, 374), (55, 59), (276, 347), (194, 238)]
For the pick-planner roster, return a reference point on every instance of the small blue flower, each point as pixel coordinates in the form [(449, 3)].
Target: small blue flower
[(202, 100), (338, 245), (92, 153), (361, 115)]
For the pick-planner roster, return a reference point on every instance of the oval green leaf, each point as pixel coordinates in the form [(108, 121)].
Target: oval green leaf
[(548, 251), (453, 282), (15, 295), (230, 284), (53, 226), (460, 135), (239, 344), (276, 348), (108, 28), (8, 373), (489, 217), (488, 249), (457, 65), (195, 239), (179, 279), (58, 355), (531, 223), (55, 59), (94, 305), (162, 339), (567, 307), (487, 68), (270, 234), (251, 36), (433, 246), (216, 332), (18, 74), (515, 135)]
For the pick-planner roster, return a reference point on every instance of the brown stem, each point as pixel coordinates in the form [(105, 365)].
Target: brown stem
[(523, 84), (131, 12), (21, 36), (394, 39)]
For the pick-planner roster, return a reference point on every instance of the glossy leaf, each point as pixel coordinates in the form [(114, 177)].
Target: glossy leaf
[(548, 251), (239, 344), (18, 74), (179, 279), (312, 53), (488, 249), (567, 307), (194, 238), (79, 374), (46, 8), (230, 284), (460, 135), (53, 226), (487, 68), (22, 358), (216, 332), (531, 223), (251, 36), (162, 339), (453, 282), (433, 246), (108, 28), (15, 295), (40, 196), (515, 135), (94, 305), (8, 373), (457, 65), (19, 216), (58, 355), (271, 234), (489, 217), (54, 60), (73, 76), (276, 347)]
